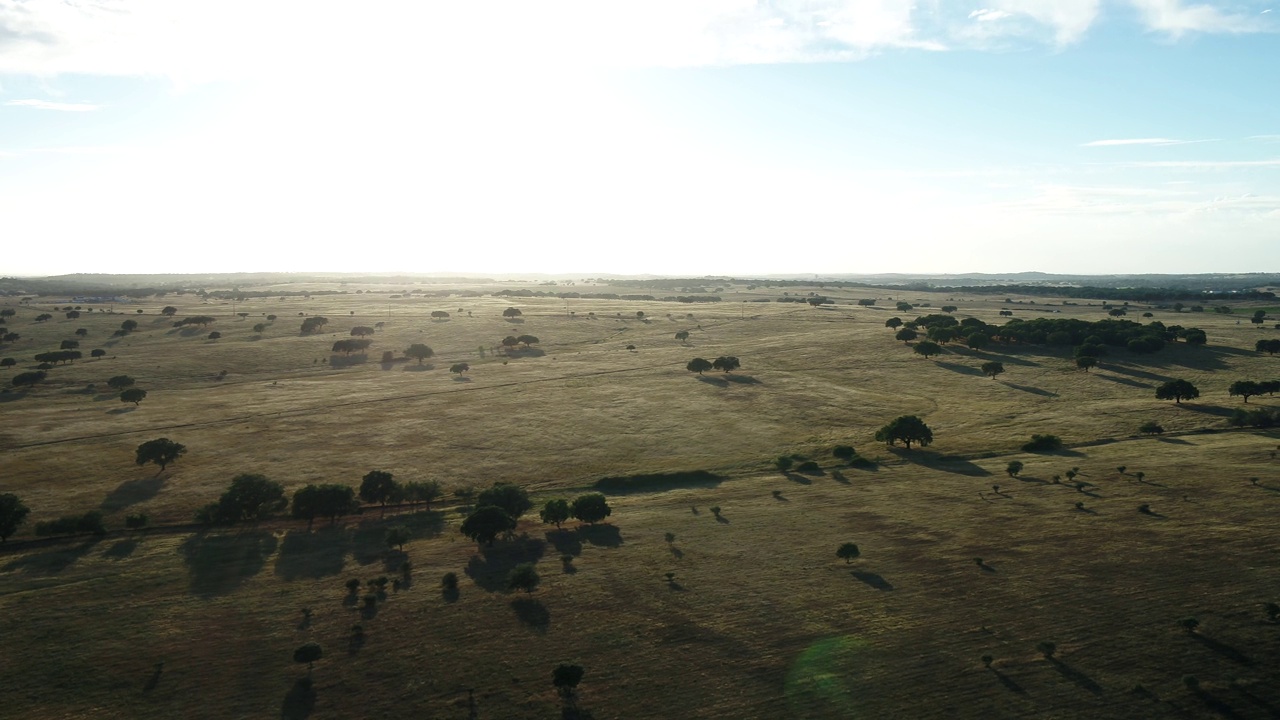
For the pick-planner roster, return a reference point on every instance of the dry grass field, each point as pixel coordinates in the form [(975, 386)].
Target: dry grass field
[(760, 620)]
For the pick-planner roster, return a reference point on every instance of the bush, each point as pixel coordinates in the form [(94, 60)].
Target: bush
[(136, 522), (1013, 468), (808, 466), (657, 482), (90, 522), (1151, 428), (1043, 443), (449, 581), (783, 462), (844, 452), (352, 585)]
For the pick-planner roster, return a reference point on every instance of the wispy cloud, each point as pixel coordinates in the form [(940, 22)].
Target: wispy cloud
[(1141, 141), (59, 106), (1176, 18), (1204, 164)]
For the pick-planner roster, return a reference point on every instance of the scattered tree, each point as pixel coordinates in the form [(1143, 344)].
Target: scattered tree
[(361, 331), (682, 335), (97, 353), (133, 395), (377, 486), (420, 352), (250, 498), (726, 363), (397, 536), (908, 429), (523, 577), (120, 382), (8, 362), (698, 365), (1151, 428), (1047, 649), (459, 368), (555, 512), (29, 379), (848, 552), (527, 340), (565, 678), (844, 452), (215, 335), (511, 313), (260, 328), (1189, 624), (992, 368), (1013, 468), (1244, 388), (487, 523), (129, 325), (160, 451), (893, 323), (927, 348), (169, 311), (591, 508), (12, 514), (513, 499), (1177, 390), (309, 654), (906, 335)]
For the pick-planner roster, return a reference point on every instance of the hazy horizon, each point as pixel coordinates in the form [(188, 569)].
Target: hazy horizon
[(681, 139)]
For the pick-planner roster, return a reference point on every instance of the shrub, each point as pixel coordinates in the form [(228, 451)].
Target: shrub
[(1151, 428), (808, 466), (353, 585), (1013, 468), (784, 463), (90, 522), (715, 510), (844, 452), (135, 522), (1043, 443), (848, 552), (449, 581)]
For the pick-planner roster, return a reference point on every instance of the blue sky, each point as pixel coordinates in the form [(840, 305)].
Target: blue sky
[(673, 137)]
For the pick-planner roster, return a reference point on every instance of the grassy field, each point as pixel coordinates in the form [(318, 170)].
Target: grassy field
[(761, 619)]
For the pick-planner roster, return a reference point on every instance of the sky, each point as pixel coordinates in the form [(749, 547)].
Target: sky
[(676, 137)]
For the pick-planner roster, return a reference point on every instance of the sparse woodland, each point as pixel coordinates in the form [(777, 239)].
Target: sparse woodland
[(727, 501)]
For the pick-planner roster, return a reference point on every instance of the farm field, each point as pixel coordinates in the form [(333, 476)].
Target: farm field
[(759, 617)]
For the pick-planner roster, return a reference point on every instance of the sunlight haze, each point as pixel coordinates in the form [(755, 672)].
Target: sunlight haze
[(729, 137)]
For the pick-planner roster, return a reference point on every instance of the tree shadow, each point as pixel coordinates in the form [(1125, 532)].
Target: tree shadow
[(718, 382), (839, 477), (565, 542), (1075, 676), (345, 361), (51, 561), (935, 461), (958, 368), (132, 492), (1217, 704), (312, 554), (1032, 390), (450, 595), (722, 519), (461, 379), (121, 550), (532, 612), (154, 680), (122, 410), (489, 568), (1008, 682), (525, 352), (1172, 441), (299, 701), (1215, 410), (874, 580), (676, 552), (1124, 381), (218, 564), (419, 368), (1127, 370), (742, 379), (602, 535), (1223, 649), (797, 478)]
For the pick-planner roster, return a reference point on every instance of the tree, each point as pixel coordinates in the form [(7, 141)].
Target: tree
[(8, 313), (250, 498), (523, 577), (591, 508), (43, 317), (848, 552), (377, 486), (169, 311), (682, 335), (361, 331), (97, 352), (1013, 468), (397, 536), (1047, 649), (260, 328), (1084, 362), (927, 348), (698, 365), (306, 504), (133, 395), (82, 332), (120, 382), (69, 344), (908, 429), (439, 314), (160, 451), (215, 335), (992, 368), (335, 500), (29, 379), (511, 313), (977, 341), (528, 340), (726, 363), (1194, 336), (565, 678), (1177, 391), (844, 452), (459, 368), (555, 512), (893, 323), (1270, 347), (419, 351), (906, 335), (8, 362), (129, 325), (423, 492), (1151, 428), (487, 523), (309, 654), (513, 499), (12, 514), (1244, 388)]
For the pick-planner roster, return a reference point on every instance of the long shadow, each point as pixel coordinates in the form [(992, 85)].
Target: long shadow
[(312, 554), (218, 564), (299, 701), (51, 561), (532, 612), (154, 680), (121, 550), (873, 579), (958, 368), (676, 552), (1124, 381), (839, 477), (1125, 370), (132, 492), (1217, 705), (1215, 410), (718, 382), (742, 379), (525, 352), (565, 542), (1032, 390), (602, 535), (935, 461), (123, 410), (1223, 649), (1076, 676), (345, 361), (419, 368), (1008, 682), (798, 478), (489, 568), (1272, 710), (1172, 441)]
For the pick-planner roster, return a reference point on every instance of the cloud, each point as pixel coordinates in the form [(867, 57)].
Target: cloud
[(1140, 141), (1204, 164), (1176, 19), (987, 15), (59, 106)]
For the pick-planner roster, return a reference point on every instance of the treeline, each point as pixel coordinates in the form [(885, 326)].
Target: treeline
[(1093, 292), (1090, 338), (526, 293)]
